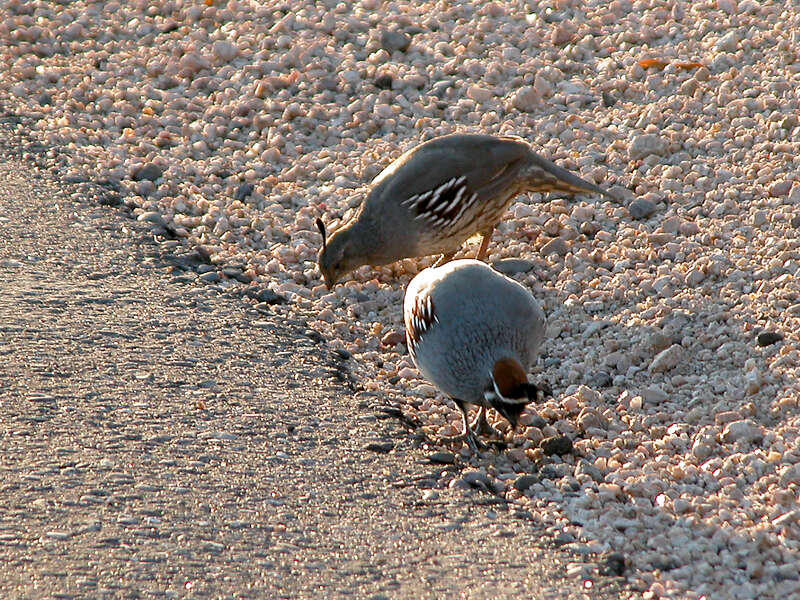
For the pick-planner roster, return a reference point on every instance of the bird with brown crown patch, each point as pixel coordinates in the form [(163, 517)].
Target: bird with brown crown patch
[(473, 333)]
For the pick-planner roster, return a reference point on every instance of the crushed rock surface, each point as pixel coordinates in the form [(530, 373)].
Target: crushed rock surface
[(230, 128)]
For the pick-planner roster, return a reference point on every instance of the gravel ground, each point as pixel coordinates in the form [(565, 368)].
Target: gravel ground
[(674, 313), (163, 439)]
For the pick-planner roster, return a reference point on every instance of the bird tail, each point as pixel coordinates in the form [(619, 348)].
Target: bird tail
[(543, 176)]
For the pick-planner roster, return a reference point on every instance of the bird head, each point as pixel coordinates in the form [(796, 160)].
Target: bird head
[(338, 256), (509, 391)]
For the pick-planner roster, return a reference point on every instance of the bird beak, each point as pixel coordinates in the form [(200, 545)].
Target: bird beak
[(511, 417), (328, 279)]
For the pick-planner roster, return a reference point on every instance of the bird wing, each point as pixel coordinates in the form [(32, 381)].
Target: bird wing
[(419, 319), (439, 181)]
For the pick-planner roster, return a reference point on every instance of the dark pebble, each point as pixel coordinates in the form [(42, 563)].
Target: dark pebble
[(641, 208), (148, 171), (210, 277), (512, 266), (556, 445), (767, 338), (524, 482), (315, 336), (342, 353), (599, 379), (266, 295), (243, 191), (477, 479), (796, 221), (442, 458), (392, 40), (608, 99), (440, 88), (382, 447), (384, 81), (109, 199), (538, 422)]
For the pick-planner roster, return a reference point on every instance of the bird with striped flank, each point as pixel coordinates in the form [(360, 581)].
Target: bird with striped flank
[(435, 196), (474, 333)]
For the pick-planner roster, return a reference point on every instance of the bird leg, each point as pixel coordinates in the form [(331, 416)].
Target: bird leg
[(444, 258), (481, 426), (466, 433), (487, 237)]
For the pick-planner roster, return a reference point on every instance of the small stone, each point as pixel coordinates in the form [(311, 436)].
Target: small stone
[(701, 450), (556, 445), (753, 381), (644, 145), (265, 296), (790, 121), (523, 482), (563, 33), (742, 431), (586, 468), (658, 341), (380, 447), (225, 51), (512, 266), (442, 458), (694, 277), (477, 479), (767, 338), (608, 100), (641, 208), (243, 191), (591, 419), (527, 99), (594, 327), (613, 565), (599, 379), (780, 188), (392, 338), (654, 395), (556, 246), (393, 40), (479, 94), (343, 354), (210, 277), (213, 547), (667, 359), (728, 42), (152, 217), (593, 306), (794, 197), (148, 171), (790, 476)]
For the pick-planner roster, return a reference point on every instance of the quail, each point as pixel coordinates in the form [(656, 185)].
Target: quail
[(474, 333), (438, 194)]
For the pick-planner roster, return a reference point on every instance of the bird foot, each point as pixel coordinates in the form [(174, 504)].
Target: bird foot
[(475, 444), (483, 428)]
